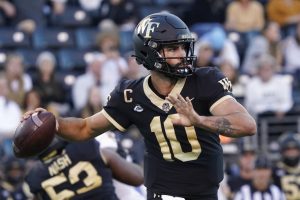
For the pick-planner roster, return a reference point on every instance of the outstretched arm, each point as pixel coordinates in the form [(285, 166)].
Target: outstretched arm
[(229, 117), (78, 129), (83, 129)]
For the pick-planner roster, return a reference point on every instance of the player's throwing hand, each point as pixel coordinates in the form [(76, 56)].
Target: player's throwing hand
[(30, 112), (185, 109)]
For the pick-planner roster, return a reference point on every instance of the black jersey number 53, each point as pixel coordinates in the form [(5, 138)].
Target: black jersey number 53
[(91, 181)]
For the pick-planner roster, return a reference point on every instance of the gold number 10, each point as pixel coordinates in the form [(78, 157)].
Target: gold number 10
[(157, 128)]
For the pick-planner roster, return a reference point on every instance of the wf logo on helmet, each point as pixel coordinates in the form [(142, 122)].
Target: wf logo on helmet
[(146, 27)]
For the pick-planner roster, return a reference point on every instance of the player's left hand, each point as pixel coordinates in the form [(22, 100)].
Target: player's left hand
[(185, 109)]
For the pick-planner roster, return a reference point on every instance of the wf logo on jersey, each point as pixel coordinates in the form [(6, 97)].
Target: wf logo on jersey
[(146, 27), (226, 84)]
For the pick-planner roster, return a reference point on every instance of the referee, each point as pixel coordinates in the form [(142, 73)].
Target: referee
[(260, 188)]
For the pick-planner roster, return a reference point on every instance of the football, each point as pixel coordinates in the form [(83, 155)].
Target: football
[(34, 134)]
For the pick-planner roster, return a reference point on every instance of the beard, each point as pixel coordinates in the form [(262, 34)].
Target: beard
[(291, 161), (176, 71)]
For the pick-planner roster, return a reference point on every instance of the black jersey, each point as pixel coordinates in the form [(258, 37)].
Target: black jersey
[(288, 179), (5, 195), (79, 172), (179, 160), (10, 192)]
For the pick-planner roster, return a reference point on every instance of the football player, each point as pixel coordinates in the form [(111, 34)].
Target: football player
[(80, 170), (123, 191), (287, 171), (13, 174), (178, 109)]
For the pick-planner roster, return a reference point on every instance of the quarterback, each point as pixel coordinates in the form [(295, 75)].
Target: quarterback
[(179, 109)]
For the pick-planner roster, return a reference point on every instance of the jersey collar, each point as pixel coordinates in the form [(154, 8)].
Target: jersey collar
[(159, 102)]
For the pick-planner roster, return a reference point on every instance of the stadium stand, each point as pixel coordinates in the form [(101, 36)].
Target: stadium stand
[(53, 38), (72, 60), (73, 16), (86, 38), (30, 56), (125, 41), (11, 38)]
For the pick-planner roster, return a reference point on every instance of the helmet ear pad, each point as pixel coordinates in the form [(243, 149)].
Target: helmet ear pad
[(147, 56)]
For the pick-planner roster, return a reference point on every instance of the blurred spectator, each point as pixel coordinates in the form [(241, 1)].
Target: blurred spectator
[(10, 113), (261, 186), (267, 91), (115, 66), (108, 25), (244, 20), (46, 83), (25, 19), (92, 7), (286, 13), (92, 77), (245, 16), (266, 43), (94, 103), (14, 172), (230, 52), (8, 10), (18, 81), (287, 171), (238, 81), (204, 53), (68, 14), (122, 12), (245, 171), (224, 48), (212, 11), (32, 100), (292, 51), (135, 71), (58, 6)]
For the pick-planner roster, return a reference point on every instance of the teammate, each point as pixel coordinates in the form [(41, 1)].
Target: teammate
[(111, 140), (12, 178), (80, 170), (179, 110), (287, 171)]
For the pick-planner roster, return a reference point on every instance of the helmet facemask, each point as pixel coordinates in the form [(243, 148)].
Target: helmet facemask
[(180, 70)]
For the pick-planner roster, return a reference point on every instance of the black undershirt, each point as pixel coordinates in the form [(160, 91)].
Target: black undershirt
[(154, 90)]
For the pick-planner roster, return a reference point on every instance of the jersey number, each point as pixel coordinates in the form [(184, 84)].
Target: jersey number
[(168, 143), (92, 181), (290, 185)]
